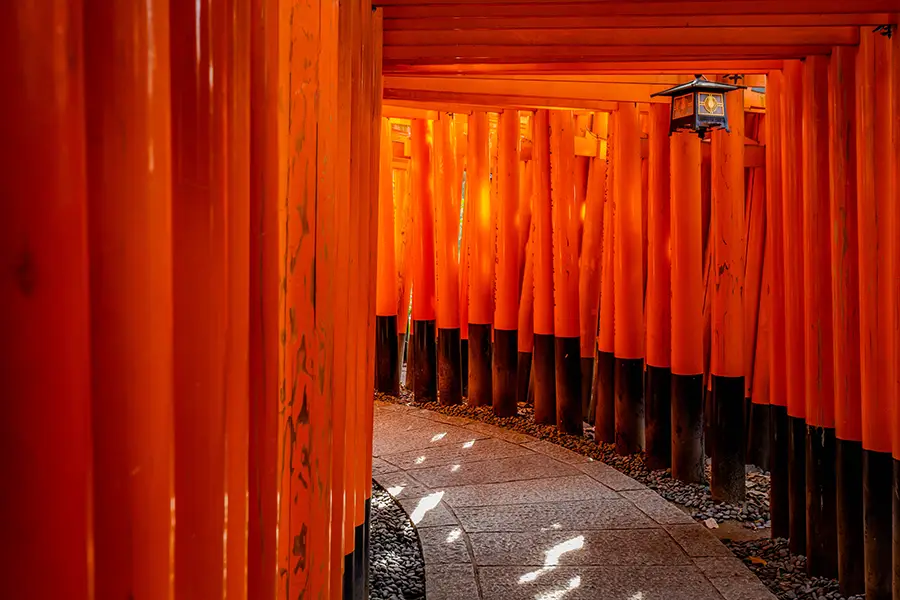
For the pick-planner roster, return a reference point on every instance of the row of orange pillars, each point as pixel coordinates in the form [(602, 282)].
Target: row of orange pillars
[(685, 301), (187, 304)]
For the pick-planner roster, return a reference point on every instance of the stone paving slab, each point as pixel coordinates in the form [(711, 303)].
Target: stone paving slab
[(621, 547), (596, 583), (500, 470), (451, 454), (503, 516), (558, 489), (450, 582), (583, 515)]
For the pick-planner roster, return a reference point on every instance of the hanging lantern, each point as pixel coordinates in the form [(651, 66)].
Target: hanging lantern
[(698, 105)]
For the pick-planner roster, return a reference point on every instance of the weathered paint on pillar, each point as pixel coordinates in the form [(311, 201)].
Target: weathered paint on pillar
[(727, 355), (129, 156), (629, 282), (45, 434), (658, 386)]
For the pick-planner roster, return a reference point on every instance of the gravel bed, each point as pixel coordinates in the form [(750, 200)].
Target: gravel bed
[(783, 573), (397, 568), (752, 513)]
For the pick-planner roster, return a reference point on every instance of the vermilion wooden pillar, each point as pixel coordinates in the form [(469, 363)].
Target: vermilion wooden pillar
[(845, 318), (604, 372), (447, 274), (373, 29), (237, 302), (506, 311), (792, 213), (525, 333), (686, 309), (727, 357), (565, 219), (343, 53), (387, 371), (875, 220), (544, 354), (199, 189), (776, 355), (423, 309), (629, 282), (324, 437), (821, 513), (45, 433), (658, 388), (895, 169), (128, 156), (465, 226), (480, 259), (590, 267), (756, 388), (403, 245)]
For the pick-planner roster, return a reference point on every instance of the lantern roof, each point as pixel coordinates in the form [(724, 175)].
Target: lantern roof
[(699, 84)]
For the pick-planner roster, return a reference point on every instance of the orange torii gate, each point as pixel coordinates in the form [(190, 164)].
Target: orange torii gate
[(214, 220)]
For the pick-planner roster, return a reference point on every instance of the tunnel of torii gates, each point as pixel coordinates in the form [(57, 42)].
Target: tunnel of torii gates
[(215, 212)]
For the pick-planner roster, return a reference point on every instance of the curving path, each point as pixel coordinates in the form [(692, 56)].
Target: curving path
[(504, 516)]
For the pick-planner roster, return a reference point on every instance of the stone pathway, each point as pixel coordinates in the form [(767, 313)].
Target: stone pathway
[(504, 516)]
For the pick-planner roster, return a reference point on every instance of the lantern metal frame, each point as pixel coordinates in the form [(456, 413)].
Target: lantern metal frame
[(698, 105)]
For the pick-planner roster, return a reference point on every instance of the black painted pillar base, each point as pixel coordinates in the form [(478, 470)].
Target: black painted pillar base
[(587, 382), (424, 365), (479, 365), (348, 577), (797, 484), (544, 365), (367, 547), (779, 488), (523, 376), (605, 398), (568, 385), (821, 502), (758, 436), (658, 430), (850, 518), (449, 367), (387, 350), (877, 505), (359, 563), (896, 528), (505, 365), (464, 365), (629, 393), (410, 360), (402, 351), (688, 463), (729, 474)]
